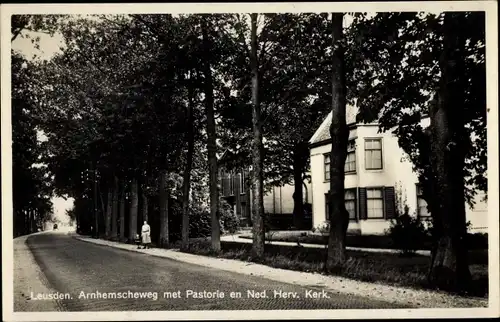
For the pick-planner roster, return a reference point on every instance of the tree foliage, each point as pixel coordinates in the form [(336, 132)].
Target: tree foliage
[(31, 182)]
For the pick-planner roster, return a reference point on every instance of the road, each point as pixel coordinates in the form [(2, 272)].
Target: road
[(81, 269)]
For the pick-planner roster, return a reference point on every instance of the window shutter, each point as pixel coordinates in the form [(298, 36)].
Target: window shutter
[(362, 204), (327, 206), (390, 204)]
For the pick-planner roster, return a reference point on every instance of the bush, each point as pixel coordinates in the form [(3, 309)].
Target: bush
[(408, 233), (278, 221), (477, 241), (323, 228), (200, 224), (200, 221), (474, 241), (229, 221)]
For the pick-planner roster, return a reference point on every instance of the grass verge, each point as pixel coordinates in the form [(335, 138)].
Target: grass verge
[(475, 242), (392, 269)]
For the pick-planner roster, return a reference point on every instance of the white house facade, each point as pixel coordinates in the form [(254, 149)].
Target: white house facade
[(277, 201), (377, 174)]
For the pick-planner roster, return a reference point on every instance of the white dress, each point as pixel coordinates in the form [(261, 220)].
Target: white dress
[(146, 234)]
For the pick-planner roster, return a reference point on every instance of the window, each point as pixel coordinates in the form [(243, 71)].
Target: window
[(327, 166), (242, 182), (421, 203), (223, 183), (231, 184), (243, 209), (350, 203), (374, 203), (373, 154), (350, 162)]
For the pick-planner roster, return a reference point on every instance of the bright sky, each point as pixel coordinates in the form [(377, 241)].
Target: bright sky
[(48, 45)]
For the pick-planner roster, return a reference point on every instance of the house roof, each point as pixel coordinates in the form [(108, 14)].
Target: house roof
[(323, 132)]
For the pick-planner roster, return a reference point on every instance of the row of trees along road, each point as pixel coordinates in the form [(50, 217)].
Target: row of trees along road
[(137, 108), (31, 189)]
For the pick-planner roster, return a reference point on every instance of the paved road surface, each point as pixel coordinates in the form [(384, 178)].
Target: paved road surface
[(73, 266)]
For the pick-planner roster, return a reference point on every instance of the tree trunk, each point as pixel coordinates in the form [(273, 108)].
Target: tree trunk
[(248, 198), (26, 222), (339, 132), (257, 151), (164, 196), (95, 230), (212, 138), (122, 213), (103, 205), (109, 210), (428, 183), (450, 269), (33, 220), (306, 192), (300, 156), (145, 206), (26, 227), (134, 205), (35, 216), (114, 211), (30, 221), (187, 171)]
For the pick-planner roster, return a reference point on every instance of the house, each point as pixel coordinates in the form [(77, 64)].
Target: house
[(377, 174), (278, 200)]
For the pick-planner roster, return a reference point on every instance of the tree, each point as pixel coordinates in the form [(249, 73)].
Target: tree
[(122, 212), (298, 96), (114, 207), (400, 64), (339, 132), (450, 268), (134, 208), (257, 149), (109, 213), (189, 164), (25, 26), (293, 96), (31, 180), (212, 136), (164, 207), (121, 112)]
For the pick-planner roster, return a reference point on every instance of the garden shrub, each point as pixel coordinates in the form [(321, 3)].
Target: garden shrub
[(278, 221), (229, 221), (200, 221), (407, 232), (477, 241), (323, 228)]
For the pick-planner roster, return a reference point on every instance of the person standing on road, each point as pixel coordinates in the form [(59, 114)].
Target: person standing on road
[(146, 235)]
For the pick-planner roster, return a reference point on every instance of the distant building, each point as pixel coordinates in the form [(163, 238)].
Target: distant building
[(375, 173), (278, 201)]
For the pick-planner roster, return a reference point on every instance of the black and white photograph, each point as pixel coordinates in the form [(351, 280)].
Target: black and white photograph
[(249, 161)]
